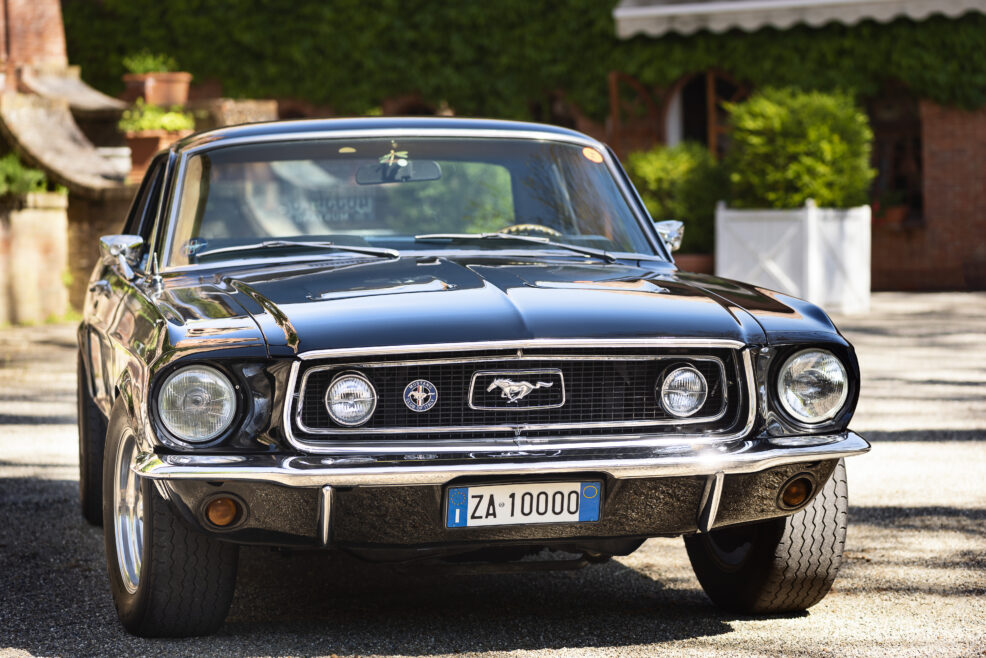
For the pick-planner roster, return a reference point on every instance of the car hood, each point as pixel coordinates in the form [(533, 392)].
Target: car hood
[(301, 307)]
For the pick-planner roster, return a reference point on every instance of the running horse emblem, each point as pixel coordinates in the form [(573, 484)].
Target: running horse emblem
[(514, 391)]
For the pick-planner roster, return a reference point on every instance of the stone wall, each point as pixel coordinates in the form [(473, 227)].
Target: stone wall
[(33, 260), (947, 251)]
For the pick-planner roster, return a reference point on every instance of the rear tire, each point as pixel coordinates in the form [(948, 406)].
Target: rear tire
[(92, 437), (780, 565), (167, 579)]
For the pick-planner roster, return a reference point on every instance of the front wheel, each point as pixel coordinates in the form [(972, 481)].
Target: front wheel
[(167, 580), (781, 565)]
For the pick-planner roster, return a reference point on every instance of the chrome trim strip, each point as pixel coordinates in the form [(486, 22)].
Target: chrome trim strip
[(748, 457), (507, 427), (531, 344), (325, 515), (172, 220), (709, 507), (546, 443), (507, 372)]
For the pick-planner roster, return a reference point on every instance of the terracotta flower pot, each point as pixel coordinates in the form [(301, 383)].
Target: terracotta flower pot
[(698, 263), (164, 89), (892, 216), (145, 144)]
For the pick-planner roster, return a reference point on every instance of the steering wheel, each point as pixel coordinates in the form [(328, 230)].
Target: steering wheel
[(524, 229)]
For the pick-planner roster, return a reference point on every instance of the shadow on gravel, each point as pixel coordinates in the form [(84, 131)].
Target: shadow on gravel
[(925, 435), (954, 519), (54, 599)]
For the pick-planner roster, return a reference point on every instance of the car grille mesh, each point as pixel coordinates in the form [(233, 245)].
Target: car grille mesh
[(611, 393)]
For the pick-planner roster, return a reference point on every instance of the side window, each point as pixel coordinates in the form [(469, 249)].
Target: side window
[(141, 217)]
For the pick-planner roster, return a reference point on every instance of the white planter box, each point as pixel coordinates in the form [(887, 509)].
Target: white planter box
[(818, 254)]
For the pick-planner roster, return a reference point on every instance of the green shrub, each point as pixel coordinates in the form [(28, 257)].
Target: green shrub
[(681, 182), (787, 146), (148, 62), (17, 179), (143, 116)]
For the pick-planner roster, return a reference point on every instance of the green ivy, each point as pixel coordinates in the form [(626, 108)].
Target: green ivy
[(502, 58)]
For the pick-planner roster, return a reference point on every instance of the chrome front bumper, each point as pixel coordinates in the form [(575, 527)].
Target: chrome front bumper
[(410, 470)]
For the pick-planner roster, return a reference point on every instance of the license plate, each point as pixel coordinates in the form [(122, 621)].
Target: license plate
[(518, 504)]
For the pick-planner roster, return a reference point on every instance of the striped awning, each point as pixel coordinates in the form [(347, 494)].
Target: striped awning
[(657, 17)]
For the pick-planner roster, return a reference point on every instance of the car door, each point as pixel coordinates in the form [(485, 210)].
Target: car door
[(108, 290)]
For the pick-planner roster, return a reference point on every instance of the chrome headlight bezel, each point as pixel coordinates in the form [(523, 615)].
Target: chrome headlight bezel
[(834, 411), (663, 390), (351, 374), (228, 383)]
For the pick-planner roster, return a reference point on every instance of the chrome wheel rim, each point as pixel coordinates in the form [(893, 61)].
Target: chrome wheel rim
[(128, 515)]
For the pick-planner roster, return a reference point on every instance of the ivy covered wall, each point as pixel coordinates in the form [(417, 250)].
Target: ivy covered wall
[(501, 58)]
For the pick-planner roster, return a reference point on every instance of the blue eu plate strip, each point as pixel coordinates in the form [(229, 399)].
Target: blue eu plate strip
[(458, 504), (589, 505)]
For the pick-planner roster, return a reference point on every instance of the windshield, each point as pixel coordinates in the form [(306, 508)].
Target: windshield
[(420, 194)]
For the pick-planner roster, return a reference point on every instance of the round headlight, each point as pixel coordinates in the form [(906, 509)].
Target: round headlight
[(351, 399), (812, 385), (683, 392), (196, 404)]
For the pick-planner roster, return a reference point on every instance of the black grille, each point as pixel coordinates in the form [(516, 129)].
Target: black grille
[(602, 394)]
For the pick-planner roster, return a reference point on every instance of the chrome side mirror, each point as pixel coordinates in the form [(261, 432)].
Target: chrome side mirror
[(121, 252), (671, 231)]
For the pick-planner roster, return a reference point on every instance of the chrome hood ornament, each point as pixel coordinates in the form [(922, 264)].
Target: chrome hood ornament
[(514, 391)]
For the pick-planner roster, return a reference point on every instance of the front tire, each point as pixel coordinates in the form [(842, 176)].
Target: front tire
[(776, 566), (167, 580)]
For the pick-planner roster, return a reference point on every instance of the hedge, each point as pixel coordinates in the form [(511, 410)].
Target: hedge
[(788, 146), (501, 58)]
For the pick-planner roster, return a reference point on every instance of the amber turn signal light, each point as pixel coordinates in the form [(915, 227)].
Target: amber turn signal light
[(796, 492), (222, 511)]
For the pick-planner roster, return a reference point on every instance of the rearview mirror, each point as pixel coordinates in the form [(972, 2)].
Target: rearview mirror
[(412, 171), (121, 253), (671, 232)]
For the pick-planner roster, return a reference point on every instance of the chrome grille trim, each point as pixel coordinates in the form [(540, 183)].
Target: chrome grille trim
[(506, 426), (386, 446)]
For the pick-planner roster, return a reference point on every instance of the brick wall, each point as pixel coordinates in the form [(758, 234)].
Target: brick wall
[(36, 33), (947, 252), (88, 220)]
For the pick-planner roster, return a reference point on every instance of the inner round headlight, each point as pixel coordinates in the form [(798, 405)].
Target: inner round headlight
[(351, 399), (196, 403), (684, 392), (812, 385)]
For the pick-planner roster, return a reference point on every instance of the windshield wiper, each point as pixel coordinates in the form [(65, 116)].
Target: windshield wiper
[(587, 251), (273, 244)]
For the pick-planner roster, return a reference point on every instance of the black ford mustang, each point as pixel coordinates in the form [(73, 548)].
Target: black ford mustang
[(442, 339)]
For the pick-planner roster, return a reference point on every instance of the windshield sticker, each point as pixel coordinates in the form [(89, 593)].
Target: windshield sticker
[(347, 149), (592, 155)]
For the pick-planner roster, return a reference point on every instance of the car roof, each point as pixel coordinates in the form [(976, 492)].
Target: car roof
[(324, 127)]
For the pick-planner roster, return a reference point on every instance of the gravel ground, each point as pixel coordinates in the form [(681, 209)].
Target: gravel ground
[(914, 582)]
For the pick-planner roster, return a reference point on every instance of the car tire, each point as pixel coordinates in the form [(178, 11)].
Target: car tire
[(92, 437), (776, 566), (167, 579)]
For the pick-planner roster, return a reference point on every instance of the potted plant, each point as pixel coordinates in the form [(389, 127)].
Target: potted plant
[(799, 177), (682, 182), (33, 244), (155, 78), (150, 128)]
